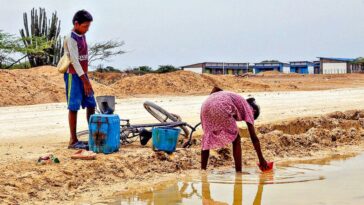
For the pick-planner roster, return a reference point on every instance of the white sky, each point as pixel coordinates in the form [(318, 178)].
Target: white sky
[(158, 32)]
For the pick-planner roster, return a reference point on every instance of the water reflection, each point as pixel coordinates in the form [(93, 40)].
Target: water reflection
[(263, 179), (206, 193), (200, 190), (238, 189)]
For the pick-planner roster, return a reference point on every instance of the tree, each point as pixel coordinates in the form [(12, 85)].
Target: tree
[(9, 45), (100, 68), (166, 68), (144, 69), (359, 60), (6, 48), (42, 34), (104, 51)]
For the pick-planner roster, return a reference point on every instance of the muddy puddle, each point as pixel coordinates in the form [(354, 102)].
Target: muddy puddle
[(335, 180)]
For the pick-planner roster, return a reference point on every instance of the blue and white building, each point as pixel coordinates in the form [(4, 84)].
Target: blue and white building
[(223, 68), (271, 66), (302, 67)]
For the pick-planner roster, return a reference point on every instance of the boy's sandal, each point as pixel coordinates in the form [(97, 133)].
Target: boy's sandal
[(78, 145)]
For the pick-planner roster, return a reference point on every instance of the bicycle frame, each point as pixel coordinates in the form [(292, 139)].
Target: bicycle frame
[(135, 129)]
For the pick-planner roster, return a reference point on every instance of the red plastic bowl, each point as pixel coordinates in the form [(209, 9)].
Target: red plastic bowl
[(270, 167)]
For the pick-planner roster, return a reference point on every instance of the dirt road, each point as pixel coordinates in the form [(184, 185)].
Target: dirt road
[(51, 119)]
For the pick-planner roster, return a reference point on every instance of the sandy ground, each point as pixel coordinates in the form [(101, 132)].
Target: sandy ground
[(31, 131), (136, 168)]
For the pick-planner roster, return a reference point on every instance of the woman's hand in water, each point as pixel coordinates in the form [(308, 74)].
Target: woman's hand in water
[(263, 164)]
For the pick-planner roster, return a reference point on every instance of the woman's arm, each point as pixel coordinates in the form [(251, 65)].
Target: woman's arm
[(256, 144)]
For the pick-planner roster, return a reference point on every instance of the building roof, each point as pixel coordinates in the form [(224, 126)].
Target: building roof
[(300, 62), (192, 65), (200, 64), (338, 59), (270, 64)]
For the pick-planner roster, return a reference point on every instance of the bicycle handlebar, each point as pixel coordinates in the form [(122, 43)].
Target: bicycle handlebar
[(193, 129)]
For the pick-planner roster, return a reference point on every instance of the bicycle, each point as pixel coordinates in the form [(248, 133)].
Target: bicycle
[(129, 132)]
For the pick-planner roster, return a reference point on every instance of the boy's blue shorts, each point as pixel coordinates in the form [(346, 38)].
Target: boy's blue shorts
[(75, 93)]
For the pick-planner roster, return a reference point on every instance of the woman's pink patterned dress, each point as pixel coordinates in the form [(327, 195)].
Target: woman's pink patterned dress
[(219, 114)]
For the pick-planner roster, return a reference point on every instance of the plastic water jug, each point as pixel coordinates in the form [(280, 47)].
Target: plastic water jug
[(104, 133)]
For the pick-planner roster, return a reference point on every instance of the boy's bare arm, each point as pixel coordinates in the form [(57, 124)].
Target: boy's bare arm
[(87, 86)]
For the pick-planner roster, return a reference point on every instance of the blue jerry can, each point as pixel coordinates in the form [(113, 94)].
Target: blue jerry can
[(104, 133)]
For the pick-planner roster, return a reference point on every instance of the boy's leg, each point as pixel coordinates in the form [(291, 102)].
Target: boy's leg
[(237, 153), (74, 98), (72, 120), (204, 158), (89, 111)]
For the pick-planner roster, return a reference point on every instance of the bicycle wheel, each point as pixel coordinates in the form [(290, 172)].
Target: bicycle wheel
[(82, 133), (164, 116), (185, 130), (125, 135), (159, 113)]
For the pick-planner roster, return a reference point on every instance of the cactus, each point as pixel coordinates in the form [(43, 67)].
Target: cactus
[(41, 27)]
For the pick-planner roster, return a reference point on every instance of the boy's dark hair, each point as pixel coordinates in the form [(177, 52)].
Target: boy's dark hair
[(215, 89), (82, 16), (255, 106)]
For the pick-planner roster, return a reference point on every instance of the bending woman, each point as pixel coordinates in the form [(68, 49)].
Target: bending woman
[(219, 114)]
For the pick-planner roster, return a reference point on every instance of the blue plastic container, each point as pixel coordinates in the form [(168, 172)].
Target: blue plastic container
[(104, 133), (165, 139)]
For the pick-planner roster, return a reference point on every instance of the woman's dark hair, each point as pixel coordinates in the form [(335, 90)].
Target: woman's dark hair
[(255, 106), (82, 16), (215, 89)]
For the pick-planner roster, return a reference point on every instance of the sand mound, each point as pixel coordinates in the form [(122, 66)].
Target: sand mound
[(229, 82), (270, 73), (108, 78), (46, 85), (183, 82), (37, 85), (306, 135), (180, 82)]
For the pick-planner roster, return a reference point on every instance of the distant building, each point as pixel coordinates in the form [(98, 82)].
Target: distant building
[(271, 66), (335, 65), (302, 67), (358, 66), (218, 68), (251, 68), (316, 67)]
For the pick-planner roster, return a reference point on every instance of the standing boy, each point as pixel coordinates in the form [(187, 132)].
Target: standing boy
[(79, 91)]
